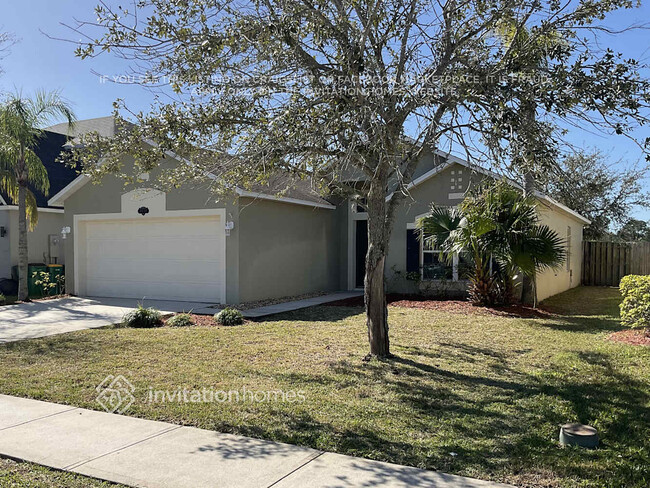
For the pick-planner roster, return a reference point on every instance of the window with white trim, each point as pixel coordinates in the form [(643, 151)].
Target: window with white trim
[(435, 265)]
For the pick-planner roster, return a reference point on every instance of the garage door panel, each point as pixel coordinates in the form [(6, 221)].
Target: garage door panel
[(182, 269), (165, 258), (140, 290), (178, 273)]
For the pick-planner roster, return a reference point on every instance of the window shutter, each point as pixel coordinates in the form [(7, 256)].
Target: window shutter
[(412, 251)]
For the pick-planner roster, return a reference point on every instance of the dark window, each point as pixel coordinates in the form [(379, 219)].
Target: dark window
[(412, 251), (361, 251), (436, 267), (362, 204), (464, 265)]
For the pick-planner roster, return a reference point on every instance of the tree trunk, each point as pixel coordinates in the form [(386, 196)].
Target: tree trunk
[(528, 288), (376, 309), (22, 242), (374, 292)]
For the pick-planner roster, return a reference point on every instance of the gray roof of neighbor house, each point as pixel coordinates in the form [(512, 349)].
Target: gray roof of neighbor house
[(48, 149), (104, 126)]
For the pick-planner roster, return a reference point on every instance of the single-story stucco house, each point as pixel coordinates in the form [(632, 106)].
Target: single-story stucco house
[(184, 245), (44, 241)]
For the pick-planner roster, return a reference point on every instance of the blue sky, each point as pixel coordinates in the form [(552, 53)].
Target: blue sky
[(37, 62)]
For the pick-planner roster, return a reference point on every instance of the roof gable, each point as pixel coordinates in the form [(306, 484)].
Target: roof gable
[(451, 160)]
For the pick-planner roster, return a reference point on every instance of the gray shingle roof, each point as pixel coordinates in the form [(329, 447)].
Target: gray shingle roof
[(279, 185), (105, 126), (289, 186)]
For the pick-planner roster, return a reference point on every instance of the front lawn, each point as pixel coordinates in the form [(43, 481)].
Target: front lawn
[(473, 394), (27, 475)]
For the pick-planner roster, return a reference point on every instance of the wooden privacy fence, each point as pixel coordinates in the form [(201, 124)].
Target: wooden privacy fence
[(605, 263)]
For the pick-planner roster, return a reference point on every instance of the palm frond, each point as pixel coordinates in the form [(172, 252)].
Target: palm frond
[(9, 184), (47, 107), (437, 227), (36, 172), (31, 209)]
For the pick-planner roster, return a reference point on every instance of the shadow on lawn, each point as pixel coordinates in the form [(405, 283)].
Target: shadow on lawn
[(516, 420), (590, 325), (319, 313)]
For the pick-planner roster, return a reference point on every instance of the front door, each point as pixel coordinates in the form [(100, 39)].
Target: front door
[(360, 251)]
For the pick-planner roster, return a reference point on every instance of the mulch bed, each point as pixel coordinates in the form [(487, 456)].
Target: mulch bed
[(450, 306), (634, 337)]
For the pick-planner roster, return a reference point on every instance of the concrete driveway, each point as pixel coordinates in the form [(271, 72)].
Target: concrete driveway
[(50, 317)]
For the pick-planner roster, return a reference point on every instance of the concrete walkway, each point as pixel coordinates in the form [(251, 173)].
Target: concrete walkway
[(152, 454), (61, 315), (259, 312), (58, 316)]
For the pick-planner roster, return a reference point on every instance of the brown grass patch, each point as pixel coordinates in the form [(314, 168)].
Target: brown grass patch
[(451, 306), (634, 337)]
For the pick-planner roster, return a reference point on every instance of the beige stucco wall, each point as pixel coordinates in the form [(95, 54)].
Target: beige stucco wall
[(5, 247), (554, 281), (37, 240), (438, 189), (287, 249)]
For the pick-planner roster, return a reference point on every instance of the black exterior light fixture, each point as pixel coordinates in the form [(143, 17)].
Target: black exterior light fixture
[(143, 211), (3, 231)]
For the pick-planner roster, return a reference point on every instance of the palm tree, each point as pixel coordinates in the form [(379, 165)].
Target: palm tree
[(454, 231), (499, 230), (21, 120), (534, 51)]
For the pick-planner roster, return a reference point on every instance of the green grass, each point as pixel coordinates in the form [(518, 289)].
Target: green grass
[(491, 389), (26, 475)]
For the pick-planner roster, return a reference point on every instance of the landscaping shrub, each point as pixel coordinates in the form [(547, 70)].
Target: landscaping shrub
[(43, 280), (143, 317), (181, 320), (635, 308), (229, 316)]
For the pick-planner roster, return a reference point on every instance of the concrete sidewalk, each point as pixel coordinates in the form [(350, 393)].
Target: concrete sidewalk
[(152, 454)]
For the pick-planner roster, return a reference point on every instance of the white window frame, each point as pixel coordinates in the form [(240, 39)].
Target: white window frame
[(454, 263)]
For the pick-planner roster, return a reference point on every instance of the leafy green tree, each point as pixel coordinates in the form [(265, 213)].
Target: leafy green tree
[(499, 229), (634, 230), (21, 120), (605, 193), (349, 94)]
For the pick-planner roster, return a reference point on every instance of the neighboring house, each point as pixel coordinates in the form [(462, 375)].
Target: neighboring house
[(184, 245), (44, 242)]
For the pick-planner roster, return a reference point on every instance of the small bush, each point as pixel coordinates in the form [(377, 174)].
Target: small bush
[(143, 317), (635, 308), (181, 320), (43, 280), (229, 316)]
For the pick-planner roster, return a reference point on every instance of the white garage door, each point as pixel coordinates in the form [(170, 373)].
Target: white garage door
[(161, 258)]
